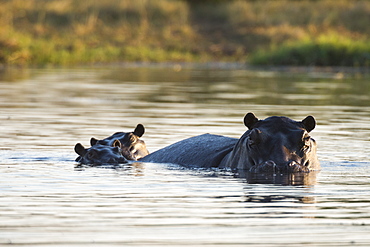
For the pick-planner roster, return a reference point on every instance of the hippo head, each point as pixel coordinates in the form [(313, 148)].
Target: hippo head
[(100, 154), (132, 147), (277, 144)]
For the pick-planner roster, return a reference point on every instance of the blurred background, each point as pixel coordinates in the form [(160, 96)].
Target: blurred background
[(286, 32)]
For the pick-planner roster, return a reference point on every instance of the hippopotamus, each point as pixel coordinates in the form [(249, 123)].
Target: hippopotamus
[(273, 145), (133, 148), (100, 154)]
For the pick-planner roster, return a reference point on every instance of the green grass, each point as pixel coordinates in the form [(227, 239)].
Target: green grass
[(325, 50), (68, 32)]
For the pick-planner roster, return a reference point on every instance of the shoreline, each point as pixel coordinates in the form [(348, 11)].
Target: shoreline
[(178, 66)]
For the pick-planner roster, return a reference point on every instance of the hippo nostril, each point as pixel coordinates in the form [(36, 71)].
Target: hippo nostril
[(268, 166), (270, 163), (294, 166), (293, 163)]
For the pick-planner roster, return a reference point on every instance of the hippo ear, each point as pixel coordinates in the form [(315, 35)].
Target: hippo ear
[(93, 141), (116, 143), (250, 120), (309, 123), (139, 130), (80, 150)]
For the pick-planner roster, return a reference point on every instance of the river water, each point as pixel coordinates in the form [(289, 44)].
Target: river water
[(45, 200)]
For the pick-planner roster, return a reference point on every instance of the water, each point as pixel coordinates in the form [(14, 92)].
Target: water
[(45, 200)]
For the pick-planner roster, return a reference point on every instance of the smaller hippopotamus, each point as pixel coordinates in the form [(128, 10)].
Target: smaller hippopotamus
[(132, 147), (100, 154)]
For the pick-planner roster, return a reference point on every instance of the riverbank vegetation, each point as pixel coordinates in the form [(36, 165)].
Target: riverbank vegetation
[(285, 32)]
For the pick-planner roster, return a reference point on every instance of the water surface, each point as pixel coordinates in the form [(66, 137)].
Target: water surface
[(45, 200)]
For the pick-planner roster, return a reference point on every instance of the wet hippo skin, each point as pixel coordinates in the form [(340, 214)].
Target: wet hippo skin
[(201, 151), (275, 144), (129, 145), (133, 148), (100, 154)]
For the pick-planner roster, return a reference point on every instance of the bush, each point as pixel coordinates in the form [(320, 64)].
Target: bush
[(326, 50)]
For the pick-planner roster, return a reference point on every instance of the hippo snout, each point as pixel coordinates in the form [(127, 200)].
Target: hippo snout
[(294, 166), (270, 166), (120, 160)]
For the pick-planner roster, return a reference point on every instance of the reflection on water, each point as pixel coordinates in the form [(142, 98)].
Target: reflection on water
[(283, 179), (47, 200)]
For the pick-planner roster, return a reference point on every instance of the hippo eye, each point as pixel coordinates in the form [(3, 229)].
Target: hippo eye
[(306, 148), (132, 139), (254, 137), (92, 154), (251, 143), (306, 144)]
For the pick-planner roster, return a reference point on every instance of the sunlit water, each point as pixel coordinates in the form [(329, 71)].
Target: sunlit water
[(45, 200)]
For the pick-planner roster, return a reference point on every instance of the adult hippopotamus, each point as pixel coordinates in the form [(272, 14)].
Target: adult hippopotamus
[(133, 148), (275, 144), (100, 154)]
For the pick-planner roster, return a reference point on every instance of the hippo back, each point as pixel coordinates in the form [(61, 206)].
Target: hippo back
[(199, 151)]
